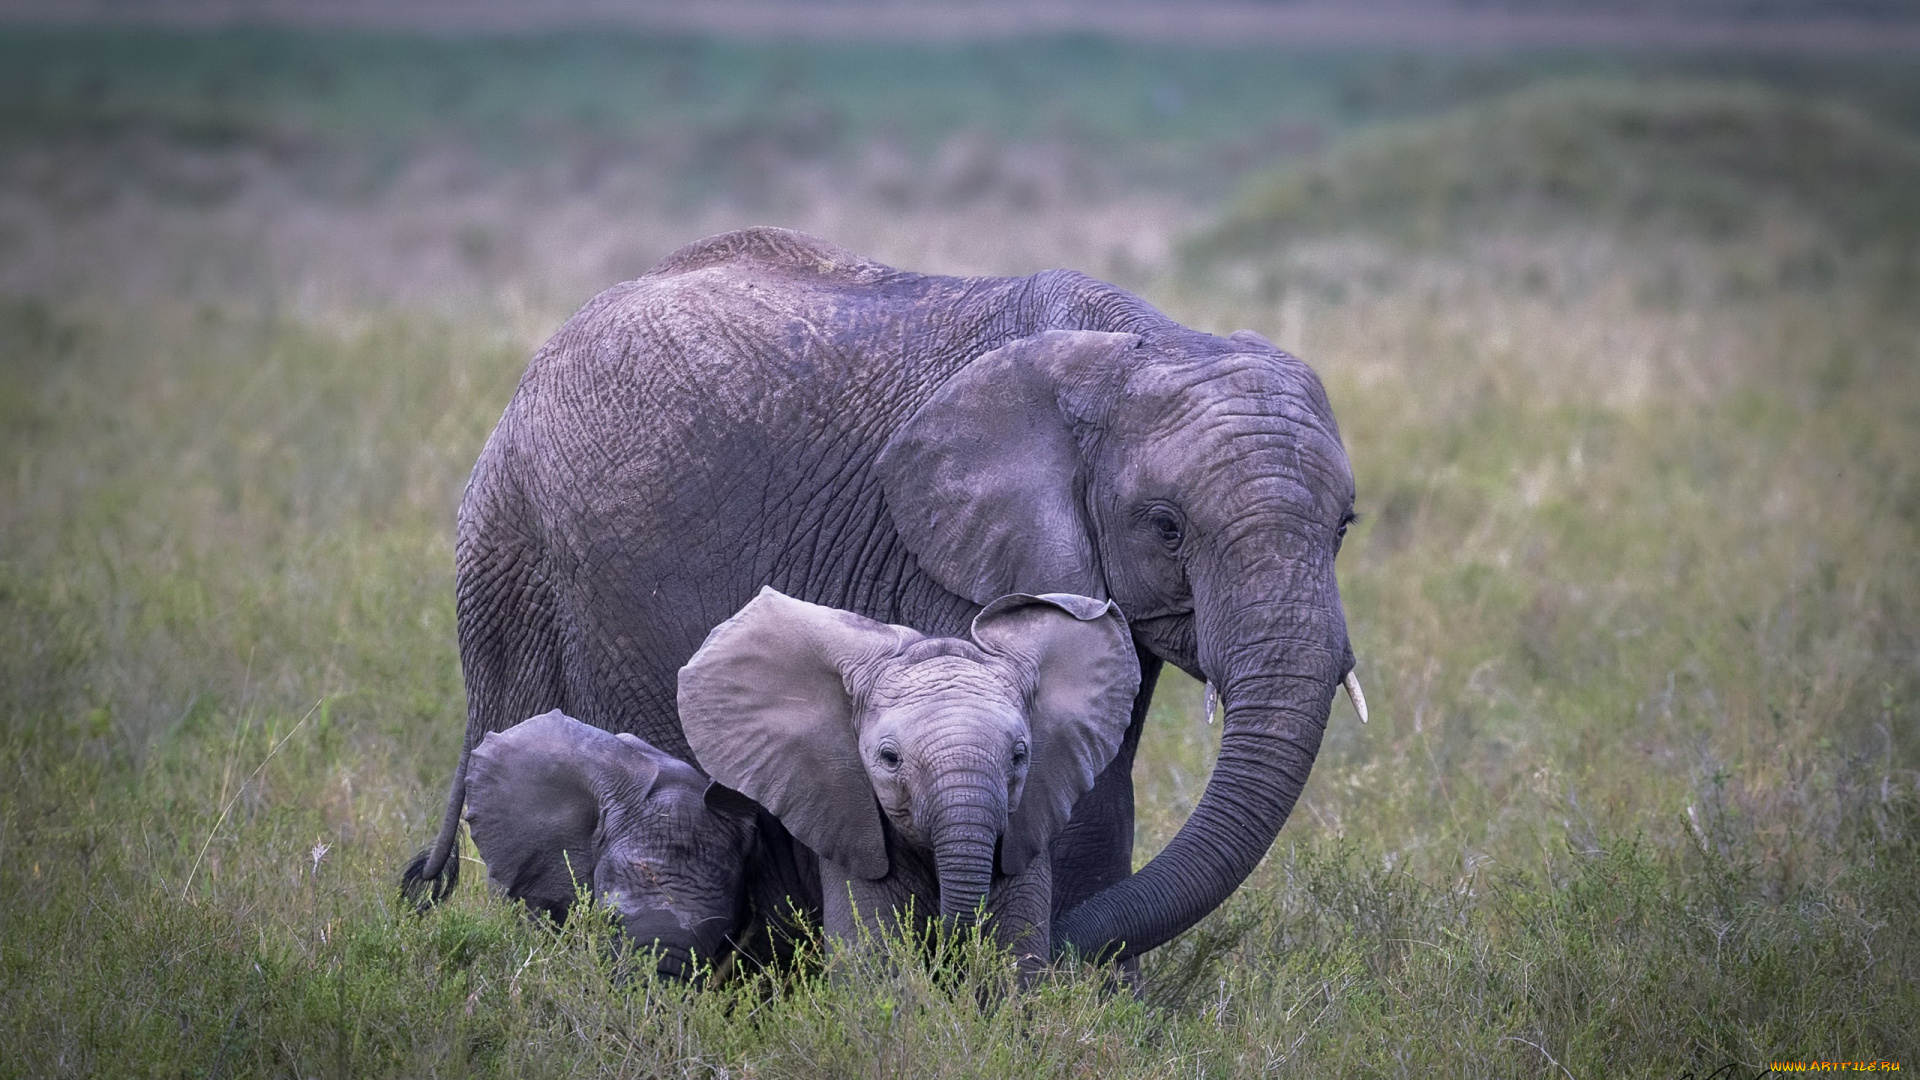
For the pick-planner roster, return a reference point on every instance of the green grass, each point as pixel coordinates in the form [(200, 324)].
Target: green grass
[(1633, 594)]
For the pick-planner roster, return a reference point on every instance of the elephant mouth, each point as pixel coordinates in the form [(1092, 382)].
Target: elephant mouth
[(1171, 637), (673, 962), (657, 933)]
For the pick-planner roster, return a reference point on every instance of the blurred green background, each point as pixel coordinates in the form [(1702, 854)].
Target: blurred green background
[(1624, 347)]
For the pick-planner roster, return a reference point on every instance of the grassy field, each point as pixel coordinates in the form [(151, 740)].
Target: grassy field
[(1634, 588)]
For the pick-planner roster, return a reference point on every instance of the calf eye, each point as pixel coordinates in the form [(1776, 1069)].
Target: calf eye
[(889, 757), (1020, 752)]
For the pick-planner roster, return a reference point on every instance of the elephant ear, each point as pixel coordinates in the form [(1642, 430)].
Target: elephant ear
[(984, 481), (537, 794), (767, 705), (1084, 672)]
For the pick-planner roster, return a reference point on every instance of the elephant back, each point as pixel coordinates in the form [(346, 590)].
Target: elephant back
[(775, 249)]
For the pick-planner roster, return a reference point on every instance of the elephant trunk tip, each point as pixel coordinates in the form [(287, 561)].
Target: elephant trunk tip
[(963, 879), (960, 921), (963, 904)]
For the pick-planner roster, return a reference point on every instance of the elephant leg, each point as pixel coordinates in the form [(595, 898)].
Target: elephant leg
[(857, 912), (1021, 907), (1095, 850)]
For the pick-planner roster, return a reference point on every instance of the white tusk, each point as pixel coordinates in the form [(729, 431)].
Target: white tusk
[(1352, 683), (1212, 702)]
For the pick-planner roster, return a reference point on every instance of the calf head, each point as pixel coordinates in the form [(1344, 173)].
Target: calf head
[(974, 750), (556, 805)]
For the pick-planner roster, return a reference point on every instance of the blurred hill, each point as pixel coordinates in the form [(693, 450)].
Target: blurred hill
[(330, 169), (1713, 160), (1797, 25)]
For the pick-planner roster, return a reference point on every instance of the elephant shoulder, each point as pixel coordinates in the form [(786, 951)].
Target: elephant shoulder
[(769, 248)]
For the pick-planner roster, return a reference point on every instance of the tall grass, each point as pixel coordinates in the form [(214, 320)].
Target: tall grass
[(1633, 594)]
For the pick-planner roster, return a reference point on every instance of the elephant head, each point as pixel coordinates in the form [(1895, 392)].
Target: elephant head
[(972, 750), (555, 804), (1201, 483)]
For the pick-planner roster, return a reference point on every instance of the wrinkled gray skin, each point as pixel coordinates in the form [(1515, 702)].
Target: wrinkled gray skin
[(765, 409), (555, 804), (930, 769)]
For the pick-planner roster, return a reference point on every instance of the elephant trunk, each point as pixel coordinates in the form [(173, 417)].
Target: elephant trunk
[(966, 830), (1277, 661), (678, 953)]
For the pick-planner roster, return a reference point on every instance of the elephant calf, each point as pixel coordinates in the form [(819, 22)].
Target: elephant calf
[(555, 804), (920, 768), (916, 768)]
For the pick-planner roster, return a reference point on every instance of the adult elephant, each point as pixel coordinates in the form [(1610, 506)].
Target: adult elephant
[(763, 408)]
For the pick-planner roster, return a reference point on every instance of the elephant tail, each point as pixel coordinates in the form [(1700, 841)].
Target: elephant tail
[(509, 644), (435, 872)]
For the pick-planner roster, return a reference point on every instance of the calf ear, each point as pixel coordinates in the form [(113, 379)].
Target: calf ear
[(984, 481), (1079, 657), (767, 703), (536, 796)]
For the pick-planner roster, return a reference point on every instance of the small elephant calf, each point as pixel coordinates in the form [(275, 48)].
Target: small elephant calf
[(554, 804), (924, 768)]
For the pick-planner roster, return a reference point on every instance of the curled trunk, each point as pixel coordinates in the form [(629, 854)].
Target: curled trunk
[(1277, 674)]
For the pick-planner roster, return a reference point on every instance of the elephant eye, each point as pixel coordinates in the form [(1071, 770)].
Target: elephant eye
[(889, 757), (1020, 752), (1167, 523)]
